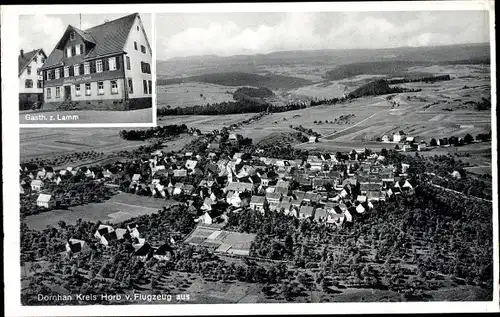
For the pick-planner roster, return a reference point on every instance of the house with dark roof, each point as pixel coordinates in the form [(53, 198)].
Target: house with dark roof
[(74, 246), (30, 78), (106, 67)]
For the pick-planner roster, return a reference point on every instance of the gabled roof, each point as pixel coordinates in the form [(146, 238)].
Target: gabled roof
[(44, 198), (257, 199), (75, 245), (108, 38), (25, 60)]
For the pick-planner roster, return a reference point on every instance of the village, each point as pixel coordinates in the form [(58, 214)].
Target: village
[(330, 189)]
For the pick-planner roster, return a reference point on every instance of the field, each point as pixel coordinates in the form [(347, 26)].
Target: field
[(321, 90), (119, 208), (46, 142), (192, 94), (440, 109), (89, 116), (204, 122)]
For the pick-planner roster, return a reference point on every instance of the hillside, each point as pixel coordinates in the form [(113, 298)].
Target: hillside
[(197, 65), (394, 68), (261, 92), (272, 82)]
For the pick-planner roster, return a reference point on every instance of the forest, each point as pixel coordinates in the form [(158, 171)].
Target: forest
[(159, 132), (377, 87), (425, 79), (270, 81)]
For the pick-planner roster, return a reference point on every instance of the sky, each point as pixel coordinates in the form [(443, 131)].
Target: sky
[(224, 34), (44, 31)]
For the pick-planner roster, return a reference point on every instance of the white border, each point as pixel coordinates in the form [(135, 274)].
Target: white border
[(10, 143)]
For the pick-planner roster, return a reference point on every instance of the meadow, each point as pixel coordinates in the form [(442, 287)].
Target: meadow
[(48, 142), (118, 208), (192, 94)]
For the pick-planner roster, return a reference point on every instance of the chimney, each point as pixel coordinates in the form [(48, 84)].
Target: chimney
[(22, 53)]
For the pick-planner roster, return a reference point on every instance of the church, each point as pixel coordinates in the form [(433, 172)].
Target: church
[(106, 67)]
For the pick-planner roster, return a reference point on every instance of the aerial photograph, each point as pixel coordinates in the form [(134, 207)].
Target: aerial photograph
[(85, 68), (345, 160)]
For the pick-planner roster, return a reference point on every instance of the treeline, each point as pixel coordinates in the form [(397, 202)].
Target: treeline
[(378, 87), (160, 131), (261, 92), (246, 104), (429, 79), (309, 132), (227, 107)]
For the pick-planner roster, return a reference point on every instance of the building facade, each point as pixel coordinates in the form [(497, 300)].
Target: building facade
[(106, 67), (30, 78)]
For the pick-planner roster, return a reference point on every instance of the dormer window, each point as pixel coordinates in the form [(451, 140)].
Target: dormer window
[(72, 36)]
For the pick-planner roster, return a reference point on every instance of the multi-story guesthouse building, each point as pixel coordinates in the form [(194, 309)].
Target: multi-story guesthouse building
[(30, 78), (105, 67)]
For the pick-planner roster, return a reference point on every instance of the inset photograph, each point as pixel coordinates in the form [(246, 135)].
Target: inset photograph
[(85, 69)]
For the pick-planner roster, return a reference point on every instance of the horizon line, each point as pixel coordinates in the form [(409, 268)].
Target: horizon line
[(321, 49)]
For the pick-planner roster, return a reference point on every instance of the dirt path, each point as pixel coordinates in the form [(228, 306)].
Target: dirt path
[(338, 132), (461, 194)]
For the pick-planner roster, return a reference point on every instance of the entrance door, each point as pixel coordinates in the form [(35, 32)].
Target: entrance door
[(67, 93)]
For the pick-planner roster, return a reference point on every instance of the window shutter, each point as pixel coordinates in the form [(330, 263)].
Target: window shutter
[(105, 64), (118, 62), (71, 71), (92, 67), (81, 69)]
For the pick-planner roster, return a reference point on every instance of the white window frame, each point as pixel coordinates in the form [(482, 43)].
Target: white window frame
[(98, 66), (100, 91), (76, 70), (77, 50), (86, 68), (128, 63), (66, 71), (58, 92), (68, 51), (49, 93), (114, 90), (78, 90), (88, 92), (56, 73), (112, 63), (28, 70)]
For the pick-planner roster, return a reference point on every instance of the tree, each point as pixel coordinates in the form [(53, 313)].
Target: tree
[(468, 139), (433, 142)]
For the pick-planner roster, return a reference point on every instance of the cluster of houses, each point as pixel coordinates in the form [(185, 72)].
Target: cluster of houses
[(36, 181), (407, 142), (319, 187), (142, 249)]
